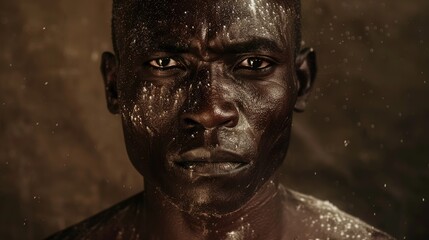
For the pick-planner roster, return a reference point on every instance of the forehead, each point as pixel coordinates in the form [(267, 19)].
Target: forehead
[(221, 22)]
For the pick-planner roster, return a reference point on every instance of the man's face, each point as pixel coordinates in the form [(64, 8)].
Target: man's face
[(206, 92)]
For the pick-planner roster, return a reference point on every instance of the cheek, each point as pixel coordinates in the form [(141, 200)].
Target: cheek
[(270, 105), (154, 110), (270, 112), (149, 118)]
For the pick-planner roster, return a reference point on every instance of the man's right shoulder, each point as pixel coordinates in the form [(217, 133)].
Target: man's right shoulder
[(109, 224)]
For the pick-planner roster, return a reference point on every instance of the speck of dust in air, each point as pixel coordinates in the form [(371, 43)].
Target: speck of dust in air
[(346, 143)]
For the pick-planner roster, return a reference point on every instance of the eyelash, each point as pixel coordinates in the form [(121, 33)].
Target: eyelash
[(153, 62), (264, 62)]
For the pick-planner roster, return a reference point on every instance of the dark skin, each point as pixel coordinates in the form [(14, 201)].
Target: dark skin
[(206, 99), (212, 98), (214, 102)]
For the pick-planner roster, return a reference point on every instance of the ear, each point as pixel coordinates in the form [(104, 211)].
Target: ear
[(109, 72), (306, 72)]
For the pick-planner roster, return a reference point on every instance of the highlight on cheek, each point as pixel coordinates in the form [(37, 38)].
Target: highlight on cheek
[(154, 105), (135, 116)]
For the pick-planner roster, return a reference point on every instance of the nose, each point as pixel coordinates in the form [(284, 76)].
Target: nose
[(213, 105), (212, 115)]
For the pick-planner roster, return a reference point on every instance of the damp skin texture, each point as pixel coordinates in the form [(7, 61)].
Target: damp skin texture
[(188, 83), (206, 91), (309, 219)]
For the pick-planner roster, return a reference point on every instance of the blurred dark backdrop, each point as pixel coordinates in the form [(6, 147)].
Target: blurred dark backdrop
[(362, 143)]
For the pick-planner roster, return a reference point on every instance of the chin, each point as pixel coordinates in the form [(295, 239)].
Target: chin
[(211, 196)]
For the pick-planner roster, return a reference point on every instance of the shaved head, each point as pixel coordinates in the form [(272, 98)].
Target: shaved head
[(128, 16)]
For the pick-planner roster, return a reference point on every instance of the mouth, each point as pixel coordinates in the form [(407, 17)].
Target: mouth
[(205, 162)]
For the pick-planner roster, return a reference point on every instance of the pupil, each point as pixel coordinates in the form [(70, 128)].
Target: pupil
[(163, 62), (255, 63)]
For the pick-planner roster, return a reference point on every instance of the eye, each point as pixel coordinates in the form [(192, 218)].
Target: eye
[(164, 63), (254, 63)]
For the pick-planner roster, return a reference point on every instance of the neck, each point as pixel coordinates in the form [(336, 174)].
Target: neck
[(259, 218)]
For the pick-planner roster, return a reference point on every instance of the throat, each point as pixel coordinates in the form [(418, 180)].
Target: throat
[(260, 216)]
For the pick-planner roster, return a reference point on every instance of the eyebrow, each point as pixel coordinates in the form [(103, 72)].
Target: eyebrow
[(253, 45), (172, 47)]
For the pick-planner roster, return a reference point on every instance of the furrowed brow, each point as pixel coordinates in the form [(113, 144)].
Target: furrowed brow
[(253, 45), (171, 47)]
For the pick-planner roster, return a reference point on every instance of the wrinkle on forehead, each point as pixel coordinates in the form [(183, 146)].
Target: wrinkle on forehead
[(254, 18), (182, 22)]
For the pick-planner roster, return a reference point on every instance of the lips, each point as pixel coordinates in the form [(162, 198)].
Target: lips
[(210, 162)]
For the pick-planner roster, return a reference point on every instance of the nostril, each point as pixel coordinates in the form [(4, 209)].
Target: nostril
[(189, 123), (210, 117), (230, 123)]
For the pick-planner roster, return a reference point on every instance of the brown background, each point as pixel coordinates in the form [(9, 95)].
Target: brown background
[(362, 144)]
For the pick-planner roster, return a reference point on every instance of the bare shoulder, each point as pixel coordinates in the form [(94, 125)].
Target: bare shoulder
[(317, 219), (112, 223)]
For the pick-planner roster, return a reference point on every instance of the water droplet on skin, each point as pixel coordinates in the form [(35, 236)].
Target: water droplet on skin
[(149, 131)]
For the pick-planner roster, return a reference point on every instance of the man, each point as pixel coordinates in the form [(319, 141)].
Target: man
[(206, 91)]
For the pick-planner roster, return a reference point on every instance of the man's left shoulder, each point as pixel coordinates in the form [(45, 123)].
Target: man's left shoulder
[(326, 221)]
